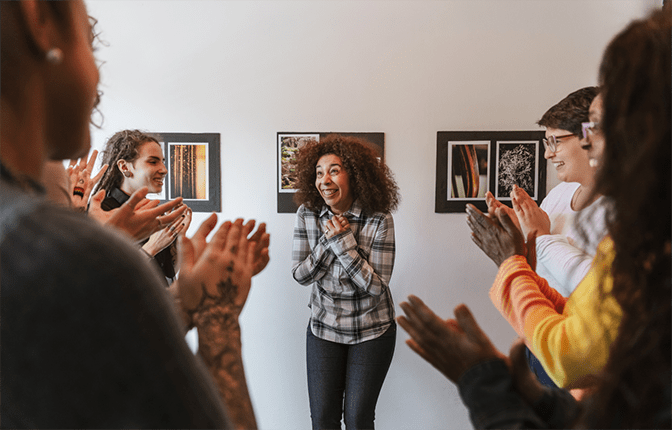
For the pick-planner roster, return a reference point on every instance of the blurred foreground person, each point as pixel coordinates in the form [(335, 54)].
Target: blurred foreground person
[(633, 388), (90, 337)]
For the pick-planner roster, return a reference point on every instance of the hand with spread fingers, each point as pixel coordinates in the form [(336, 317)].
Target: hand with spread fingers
[(262, 241), (81, 182), (138, 217), (499, 237), (215, 279), (529, 214), (219, 272), (452, 346)]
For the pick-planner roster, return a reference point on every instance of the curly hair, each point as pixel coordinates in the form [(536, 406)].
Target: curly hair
[(371, 181), (635, 174), (570, 112), (123, 145)]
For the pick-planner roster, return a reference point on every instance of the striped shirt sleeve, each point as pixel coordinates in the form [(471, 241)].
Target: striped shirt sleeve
[(370, 274), (309, 265)]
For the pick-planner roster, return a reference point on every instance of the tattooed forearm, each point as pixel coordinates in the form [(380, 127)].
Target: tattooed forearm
[(220, 347)]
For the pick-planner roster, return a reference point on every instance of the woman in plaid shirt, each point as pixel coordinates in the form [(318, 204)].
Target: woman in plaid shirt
[(344, 249)]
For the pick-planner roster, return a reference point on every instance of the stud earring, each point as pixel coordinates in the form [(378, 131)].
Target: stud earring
[(127, 173), (54, 56), (592, 162)]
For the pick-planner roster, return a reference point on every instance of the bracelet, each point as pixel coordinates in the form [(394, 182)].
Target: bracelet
[(78, 191)]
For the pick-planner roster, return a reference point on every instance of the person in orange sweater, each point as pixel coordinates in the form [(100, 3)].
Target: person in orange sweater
[(570, 336)]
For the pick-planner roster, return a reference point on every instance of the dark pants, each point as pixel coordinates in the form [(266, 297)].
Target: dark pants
[(538, 369), (346, 379)]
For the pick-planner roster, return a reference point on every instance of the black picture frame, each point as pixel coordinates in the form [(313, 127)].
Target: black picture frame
[(470, 163), (284, 188), (194, 168)]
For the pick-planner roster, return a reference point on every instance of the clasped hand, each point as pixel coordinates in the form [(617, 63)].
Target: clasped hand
[(336, 225)]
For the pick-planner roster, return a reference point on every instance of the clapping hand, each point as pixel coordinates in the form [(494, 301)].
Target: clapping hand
[(455, 345), (452, 346), (161, 239), (493, 204), (138, 217), (262, 241), (81, 182), (499, 237), (215, 276), (530, 215)]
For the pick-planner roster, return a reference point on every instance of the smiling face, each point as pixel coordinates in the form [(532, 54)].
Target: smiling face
[(594, 143), (569, 159), (333, 183), (147, 170)]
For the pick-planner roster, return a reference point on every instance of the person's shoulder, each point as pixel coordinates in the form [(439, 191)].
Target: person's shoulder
[(305, 211), (561, 194), (377, 218), (34, 228)]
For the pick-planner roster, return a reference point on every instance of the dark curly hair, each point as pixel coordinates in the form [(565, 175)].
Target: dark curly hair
[(123, 145), (371, 181), (570, 112), (634, 390)]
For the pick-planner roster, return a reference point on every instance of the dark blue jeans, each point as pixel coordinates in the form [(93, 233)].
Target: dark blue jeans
[(538, 369), (345, 380)]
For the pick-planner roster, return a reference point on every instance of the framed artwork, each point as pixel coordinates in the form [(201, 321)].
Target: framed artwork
[(288, 143), (471, 163), (194, 170)]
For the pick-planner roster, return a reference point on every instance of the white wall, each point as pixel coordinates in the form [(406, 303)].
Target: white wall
[(248, 69)]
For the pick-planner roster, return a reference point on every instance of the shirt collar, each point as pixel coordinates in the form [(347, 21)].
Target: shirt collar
[(355, 210)]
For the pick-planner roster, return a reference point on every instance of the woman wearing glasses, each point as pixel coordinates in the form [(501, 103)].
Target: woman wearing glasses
[(570, 336), (570, 222)]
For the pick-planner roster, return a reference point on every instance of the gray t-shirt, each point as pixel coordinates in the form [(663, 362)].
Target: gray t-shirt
[(90, 337)]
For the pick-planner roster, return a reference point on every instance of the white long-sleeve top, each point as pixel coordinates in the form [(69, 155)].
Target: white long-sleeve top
[(564, 256)]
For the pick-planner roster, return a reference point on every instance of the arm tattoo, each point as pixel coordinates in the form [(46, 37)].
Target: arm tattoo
[(220, 346)]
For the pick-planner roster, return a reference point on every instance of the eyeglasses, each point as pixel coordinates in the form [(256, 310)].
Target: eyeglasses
[(552, 142), (589, 128)]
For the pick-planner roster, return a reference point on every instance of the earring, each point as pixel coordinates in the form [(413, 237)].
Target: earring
[(54, 56), (127, 173), (592, 162)]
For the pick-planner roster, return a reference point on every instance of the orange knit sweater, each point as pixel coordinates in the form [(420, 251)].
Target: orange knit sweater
[(570, 336)]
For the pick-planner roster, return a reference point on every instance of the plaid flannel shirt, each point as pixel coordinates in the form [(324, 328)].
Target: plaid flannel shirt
[(350, 300)]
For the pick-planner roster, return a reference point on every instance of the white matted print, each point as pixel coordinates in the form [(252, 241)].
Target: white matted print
[(517, 165), (468, 173), (188, 177), (288, 145)]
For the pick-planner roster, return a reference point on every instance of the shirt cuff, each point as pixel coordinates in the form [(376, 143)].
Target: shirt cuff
[(342, 243)]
